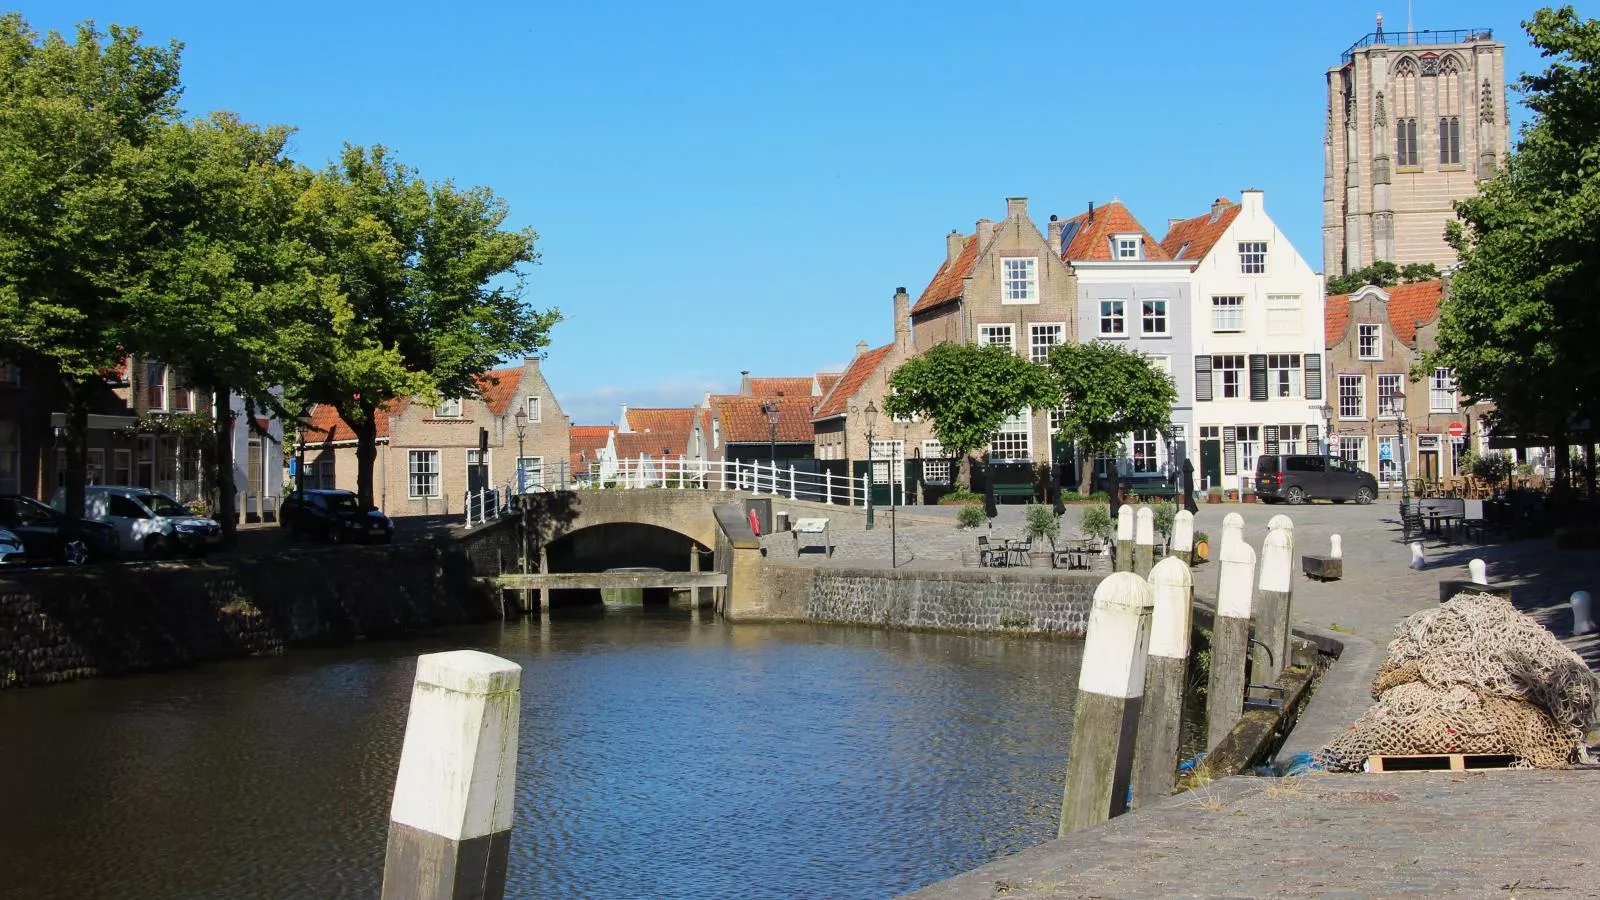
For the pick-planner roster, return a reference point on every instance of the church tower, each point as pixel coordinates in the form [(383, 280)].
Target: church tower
[(1415, 120)]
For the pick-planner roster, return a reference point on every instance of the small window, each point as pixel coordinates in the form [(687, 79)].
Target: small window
[(1154, 316), (1389, 387), (533, 409), (123, 508), (1228, 375), (1127, 246), (1283, 375), (1283, 314), (155, 386), (1253, 257), (423, 472), (994, 334), (1019, 279), (1405, 143), (1449, 141), (1112, 317), (1352, 397), (1144, 450), (1442, 391), (1227, 314), (1043, 338), (1367, 341), (449, 409)]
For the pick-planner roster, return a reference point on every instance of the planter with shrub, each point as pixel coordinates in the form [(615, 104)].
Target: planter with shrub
[(970, 517)]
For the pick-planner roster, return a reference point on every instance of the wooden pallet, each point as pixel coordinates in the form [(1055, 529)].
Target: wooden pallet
[(1439, 762)]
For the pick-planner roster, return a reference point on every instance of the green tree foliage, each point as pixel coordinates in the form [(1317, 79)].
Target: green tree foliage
[(77, 222), (1520, 323), (432, 287), (1108, 391), (967, 392), (1383, 274)]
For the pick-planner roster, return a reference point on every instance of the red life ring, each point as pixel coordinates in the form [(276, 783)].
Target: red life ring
[(755, 523)]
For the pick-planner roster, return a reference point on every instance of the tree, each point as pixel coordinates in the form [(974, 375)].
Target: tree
[(1520, 324), (76, 224), (431, 285), (1108, 391), (967, 392), (1383, 274)]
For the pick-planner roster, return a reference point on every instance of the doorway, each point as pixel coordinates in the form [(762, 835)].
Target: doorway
[(1210, 457)]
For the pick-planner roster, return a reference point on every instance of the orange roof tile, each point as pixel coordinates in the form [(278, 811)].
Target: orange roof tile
[(1408, 305), (325, 424), (667, 427), (584, 444), (946, 283), (634, 444), (744, 422), (1335, 318), (1193, 238), (780, 387), (826, 381), (499, 388), (838, 399), (1091, 240)]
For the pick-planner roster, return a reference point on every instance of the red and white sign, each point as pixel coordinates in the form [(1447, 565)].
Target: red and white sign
[(1457, 430)]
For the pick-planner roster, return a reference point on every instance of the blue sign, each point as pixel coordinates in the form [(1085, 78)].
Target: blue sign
[(1386, 453), (294, 467)]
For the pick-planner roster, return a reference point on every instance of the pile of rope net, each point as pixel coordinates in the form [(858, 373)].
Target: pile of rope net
[(1474, 676)]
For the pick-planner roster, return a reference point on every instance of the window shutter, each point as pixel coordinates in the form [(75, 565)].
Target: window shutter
[(1313, 376), (1313, 434), (1202, 378), (1269, 436), (1230, 450), (1258, 377)]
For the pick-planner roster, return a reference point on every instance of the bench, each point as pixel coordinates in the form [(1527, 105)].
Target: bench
[(1014, 490)]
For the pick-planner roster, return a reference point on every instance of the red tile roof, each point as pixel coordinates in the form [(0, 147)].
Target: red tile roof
[(1408, 305), (780, 387), (1091, 240), (325, 423), (946, 283), (743, 421), (1193, 238), (499, 388), (1335, 318), (584, 444), (838, 400), (632, 445), (826, 381), (665, 426)]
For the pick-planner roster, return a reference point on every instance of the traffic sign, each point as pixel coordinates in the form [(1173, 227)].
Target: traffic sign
[(1457, 429)]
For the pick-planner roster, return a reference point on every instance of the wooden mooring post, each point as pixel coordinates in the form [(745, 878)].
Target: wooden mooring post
[(450, 822), (1273, 607), (1155, 761), (1230, 640), (1125, 538), (1183, 537), (1144, 541), (1106, 720)]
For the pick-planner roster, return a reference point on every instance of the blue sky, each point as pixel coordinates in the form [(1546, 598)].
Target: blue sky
[(727, 186)]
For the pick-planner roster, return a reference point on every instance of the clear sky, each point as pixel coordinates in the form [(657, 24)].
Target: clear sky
[(722, 186)]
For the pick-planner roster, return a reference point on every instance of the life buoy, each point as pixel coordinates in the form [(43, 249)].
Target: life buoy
[(755, 523)]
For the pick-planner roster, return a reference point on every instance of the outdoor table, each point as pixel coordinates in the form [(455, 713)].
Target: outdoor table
[(1017, 552), (1437, 519), (810, 527), (1075, 555)]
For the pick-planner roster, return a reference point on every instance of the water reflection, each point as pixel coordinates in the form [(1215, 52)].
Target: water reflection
[(662, 755)]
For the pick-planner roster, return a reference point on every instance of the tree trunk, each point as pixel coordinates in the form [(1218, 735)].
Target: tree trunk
[(76, 436), (1562, 490), (227, 491), (964, 473), (365, 426), (1085, 473)]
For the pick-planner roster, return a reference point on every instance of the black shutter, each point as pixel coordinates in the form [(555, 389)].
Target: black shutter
[(1269, 435), (1312, 436), (1202, 378), (1230, 450), (1313, 376), (1258, 377)]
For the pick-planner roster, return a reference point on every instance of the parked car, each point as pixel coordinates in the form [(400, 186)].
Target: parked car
[(146, 521), (49, 535), (1296, 478), (334, 516), (11, 550)]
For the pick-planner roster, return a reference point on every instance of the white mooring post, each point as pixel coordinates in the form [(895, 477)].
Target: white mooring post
[(1155, 763), (1230, 640), (1478, 572), (1232, 532), (1582, 618), (1273, 607), (1144, 541), (450, 823), (1125, 538), (1183, 537), (827, 485), (1336, 547), (1110, 686)]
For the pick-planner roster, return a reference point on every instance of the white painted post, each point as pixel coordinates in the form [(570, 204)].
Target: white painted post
[(1155, 763), (827, 485), (1144, 540), (1183, 536), (450, 822), (1110, 687), (1232, 532), (1273, 610), (1478, 572), (1230, 640), (1582, 618), (1336, 547), (791, 481), (1418, 561), (1125, 538)]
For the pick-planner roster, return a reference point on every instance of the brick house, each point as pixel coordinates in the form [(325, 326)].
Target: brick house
[(428, 455)]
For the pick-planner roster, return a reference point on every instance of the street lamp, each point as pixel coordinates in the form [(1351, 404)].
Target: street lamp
[(1397, 404), (770, 410), (521, 418), (871, 416), (1326, 412)]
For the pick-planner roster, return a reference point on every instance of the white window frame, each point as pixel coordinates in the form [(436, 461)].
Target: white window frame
[(1055, 332), (448, 408), (997, 334), (472, 452), (1251, 446), (535, 410), (1146, 314), (1442, 391), (1389, 472), (1219, 385), (324, 472), (1284, 315), (1352, 448), (1016, 431), (531, 467), (1227, 310), (1285, 379), (888, 461), (166, 385), (1127, 246), (1144, 449), (1252, 257), (1369, 341), (1115, 311), (96, 467), (936, 466), (1291, 438), (1356, 411), (122, 461), (1390, 386), (1161, 362), (1019, 279), (412, 458)]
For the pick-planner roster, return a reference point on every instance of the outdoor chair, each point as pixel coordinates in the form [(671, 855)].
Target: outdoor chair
[(988, 555)]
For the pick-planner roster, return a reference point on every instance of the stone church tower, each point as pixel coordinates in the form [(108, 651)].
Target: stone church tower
[(1415, 121)]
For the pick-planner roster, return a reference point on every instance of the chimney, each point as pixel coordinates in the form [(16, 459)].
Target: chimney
[(1253, 199), (744, 382), (985, 233), (1016, 207), (952, 246), (861, 347), (1053, 234), (1220, 204), (623, 420), (902, 318)]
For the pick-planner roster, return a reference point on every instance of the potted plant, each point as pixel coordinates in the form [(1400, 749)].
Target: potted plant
[(1202, 546), (1096, 524), (969, 517), (1040, 522), (1249, 496), (1214, 495), (1166, 514)]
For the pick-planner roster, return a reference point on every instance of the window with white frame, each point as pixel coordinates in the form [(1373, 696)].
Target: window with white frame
[(423, 469), (182, 395), (1227, 313), (1019, 279), (1154, 316), (322, 473), (1442, 391), (534, 411), (155, 386), (1127, 246), (474, 462), (1113, 317), (1353, 449), (1011, 442), (1162, 364), (1252, 257), (1367, 345), (532, 471), (994, 334), (1145, 441), (1249, 447), (122, 467), (1227, 377), (97, 466), (888, 462), (1290, 438), (1283, 314), (1388, 458), (1389, 387), (1352, 396), (935, 467), (1041, 338), (1283, 376), (449, 408)]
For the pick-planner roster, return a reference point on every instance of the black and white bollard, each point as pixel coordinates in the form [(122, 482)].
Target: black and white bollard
[(1125, 538), (450, 822), (1183, 537), (1155, 763), (1230, 640), (1106, 720), (1272, 607), (1144, 541), (1582, 617)]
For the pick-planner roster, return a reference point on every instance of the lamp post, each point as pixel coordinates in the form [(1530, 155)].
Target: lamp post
[(521, 418), (770, 410), (871, 416), (1326, 412), (1397, 403)]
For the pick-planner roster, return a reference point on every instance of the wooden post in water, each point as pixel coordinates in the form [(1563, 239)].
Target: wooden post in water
[(1230, 640), (1144, 541), (1106, 719), (1273, 608), (1155, 762), (1183, 537), (1125, 538), (450, 822)]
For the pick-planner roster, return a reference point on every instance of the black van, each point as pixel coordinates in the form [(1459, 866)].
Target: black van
[(1296, 479)]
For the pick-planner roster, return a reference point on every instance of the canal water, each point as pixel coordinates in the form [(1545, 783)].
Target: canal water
[(662, 754)]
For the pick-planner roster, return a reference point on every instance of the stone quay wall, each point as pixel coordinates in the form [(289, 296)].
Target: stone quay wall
[(58, 625)]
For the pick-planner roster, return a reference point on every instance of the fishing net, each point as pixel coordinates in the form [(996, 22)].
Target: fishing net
[(1473, 676)]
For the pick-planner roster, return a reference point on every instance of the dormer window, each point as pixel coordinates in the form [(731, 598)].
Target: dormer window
[(1127, 246), (449, 409)]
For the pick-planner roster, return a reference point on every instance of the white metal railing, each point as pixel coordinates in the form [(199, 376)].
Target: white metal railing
[(482, 505)]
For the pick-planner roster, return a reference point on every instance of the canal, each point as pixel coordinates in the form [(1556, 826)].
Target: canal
[(663, 754)]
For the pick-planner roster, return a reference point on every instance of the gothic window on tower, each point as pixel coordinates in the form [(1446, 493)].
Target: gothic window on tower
[(1449, 140), (1406, 103), (1449, 96)]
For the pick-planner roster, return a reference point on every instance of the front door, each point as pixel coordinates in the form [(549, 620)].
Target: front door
[(1428, 457), (1210, 463), (477, 474)]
